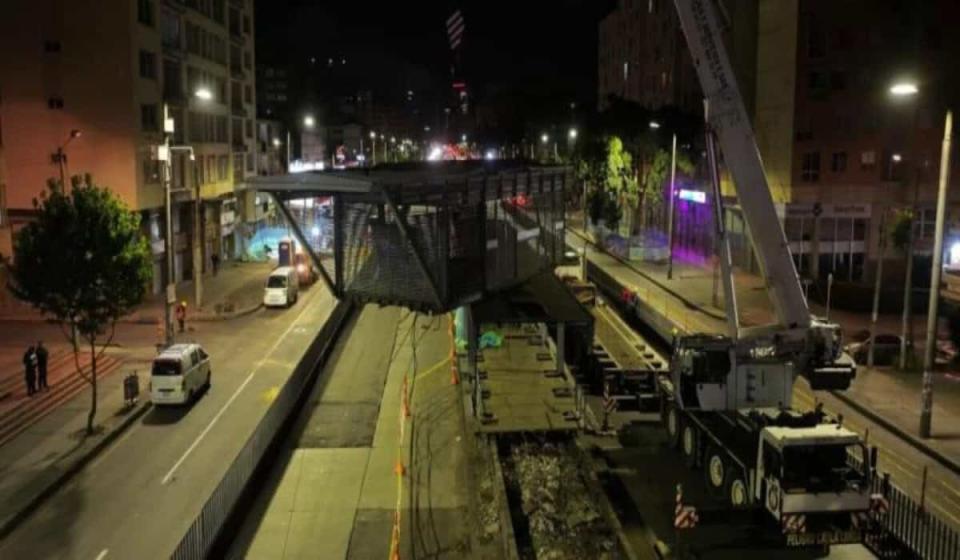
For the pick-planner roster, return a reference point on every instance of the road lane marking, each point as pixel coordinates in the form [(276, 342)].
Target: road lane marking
[(103, 554), (233, 397)]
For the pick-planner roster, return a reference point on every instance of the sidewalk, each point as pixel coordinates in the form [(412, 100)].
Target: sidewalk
[(236, 290), (888, 397)]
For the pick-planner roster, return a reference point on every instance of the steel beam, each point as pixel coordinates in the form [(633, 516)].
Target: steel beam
[(303, 241), (402, 226)]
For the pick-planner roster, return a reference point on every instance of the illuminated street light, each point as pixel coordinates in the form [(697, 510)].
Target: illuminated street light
[(276, 142), (572, 134), (463, 138), (896, 158), (373, 135), (393, 139), (544, 138), (904, 89), (203, 93), (308, 121), (654, 125)]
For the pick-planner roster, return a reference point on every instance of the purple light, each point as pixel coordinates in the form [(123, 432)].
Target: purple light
[(699, 197)]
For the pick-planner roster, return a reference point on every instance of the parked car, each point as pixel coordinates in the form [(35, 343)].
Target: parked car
[(179, 373), (283, 287), (886, 348)]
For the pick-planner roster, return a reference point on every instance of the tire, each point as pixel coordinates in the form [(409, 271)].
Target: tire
[(689, 443), (672, 422), (206, 384), (737, 494), (190, 396), (715, 467)]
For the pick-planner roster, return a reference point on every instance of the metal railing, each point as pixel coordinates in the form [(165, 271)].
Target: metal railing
[(203, 533)]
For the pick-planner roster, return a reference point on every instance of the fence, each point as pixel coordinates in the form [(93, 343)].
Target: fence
[(915, 532), (203, 533)]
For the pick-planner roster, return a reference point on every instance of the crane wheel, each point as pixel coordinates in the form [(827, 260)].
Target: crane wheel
[(715, 468), (689, 443), (672, 422), (737, 491)]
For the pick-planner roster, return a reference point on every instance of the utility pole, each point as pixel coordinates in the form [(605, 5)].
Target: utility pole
[(673, 192), (197, 246), (926, 403), (906, 324), (876, 288), (170, 292)]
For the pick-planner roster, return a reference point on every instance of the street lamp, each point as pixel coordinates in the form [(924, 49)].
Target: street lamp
[(544, 138), (308, 121), (654, 125), (276, 142), (203, 93), (373, 141), (62, 158), (904, 89), (572, 134)]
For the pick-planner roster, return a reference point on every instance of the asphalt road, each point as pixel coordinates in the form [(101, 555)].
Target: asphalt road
[(137, 499)]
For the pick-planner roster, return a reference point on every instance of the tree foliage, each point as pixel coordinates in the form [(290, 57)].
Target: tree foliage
[(619, 175), (658, 173), (84, 262), (900, 229)]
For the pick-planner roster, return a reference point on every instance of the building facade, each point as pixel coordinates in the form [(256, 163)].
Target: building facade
[(94, 80)]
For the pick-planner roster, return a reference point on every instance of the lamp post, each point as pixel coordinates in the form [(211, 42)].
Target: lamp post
[(62, 158), (670, 210), (926, 402), (373, 149), (908, 90)]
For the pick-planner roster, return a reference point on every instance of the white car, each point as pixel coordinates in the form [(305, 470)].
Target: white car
[(282, 288), (179, 373)]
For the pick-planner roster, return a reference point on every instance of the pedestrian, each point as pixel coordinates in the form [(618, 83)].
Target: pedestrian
[(215, 259), (182, 314), (30, 370), (42, 356)]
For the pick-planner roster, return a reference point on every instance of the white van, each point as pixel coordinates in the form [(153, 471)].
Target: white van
[(178, 374), (283, 287)]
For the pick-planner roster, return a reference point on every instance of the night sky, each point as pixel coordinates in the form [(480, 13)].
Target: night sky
[(540, 48)]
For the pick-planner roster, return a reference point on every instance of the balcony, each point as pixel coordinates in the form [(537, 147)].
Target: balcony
[(237, 109)]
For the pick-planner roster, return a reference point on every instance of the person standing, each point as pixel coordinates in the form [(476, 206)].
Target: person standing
[(215, 259), (42, 356), (182, 314), (30, 370)]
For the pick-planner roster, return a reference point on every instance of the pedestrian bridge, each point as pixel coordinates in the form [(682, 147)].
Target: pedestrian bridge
[(431, 236)]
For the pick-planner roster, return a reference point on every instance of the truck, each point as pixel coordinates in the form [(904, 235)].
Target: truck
[(726, 401)]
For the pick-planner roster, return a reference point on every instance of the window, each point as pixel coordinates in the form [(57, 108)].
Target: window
[(148, 65), (247, 60), (246, 24), (55, 103), (50, 46), (223, 164), (148, 117), (838, 80), (248, 93), (145, 12), (868, 159), (838, 162), (248, 128), (816, 39), (250, 163), (151, 170), (212, 169), (810, 171)]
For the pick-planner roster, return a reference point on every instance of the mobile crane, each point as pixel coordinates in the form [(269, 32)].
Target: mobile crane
[(726, 403)]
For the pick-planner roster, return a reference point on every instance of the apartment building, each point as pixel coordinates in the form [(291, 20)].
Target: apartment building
[(95, 87)]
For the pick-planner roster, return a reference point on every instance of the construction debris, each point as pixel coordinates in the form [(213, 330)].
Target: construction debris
[(563, 518)]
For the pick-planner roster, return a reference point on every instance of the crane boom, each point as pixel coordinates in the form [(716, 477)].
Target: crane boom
[(730, 121)]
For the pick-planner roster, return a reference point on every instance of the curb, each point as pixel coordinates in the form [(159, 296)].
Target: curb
[(649, 278), (140, 319), (909, 438), (13, 521)]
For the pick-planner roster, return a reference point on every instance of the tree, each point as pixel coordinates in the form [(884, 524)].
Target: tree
[(84, 262), (654, 180), (619, 177)]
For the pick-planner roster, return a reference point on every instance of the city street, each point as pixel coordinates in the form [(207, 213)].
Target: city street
[(137, 499)]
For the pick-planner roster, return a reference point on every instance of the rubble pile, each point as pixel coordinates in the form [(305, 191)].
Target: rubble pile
[(563, 519)]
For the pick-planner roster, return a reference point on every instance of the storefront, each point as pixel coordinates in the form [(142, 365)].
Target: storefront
[(834, 234)]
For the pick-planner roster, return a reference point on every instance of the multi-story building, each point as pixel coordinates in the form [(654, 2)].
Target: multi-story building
[(93, 80), (642, 57), (842, 153)]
